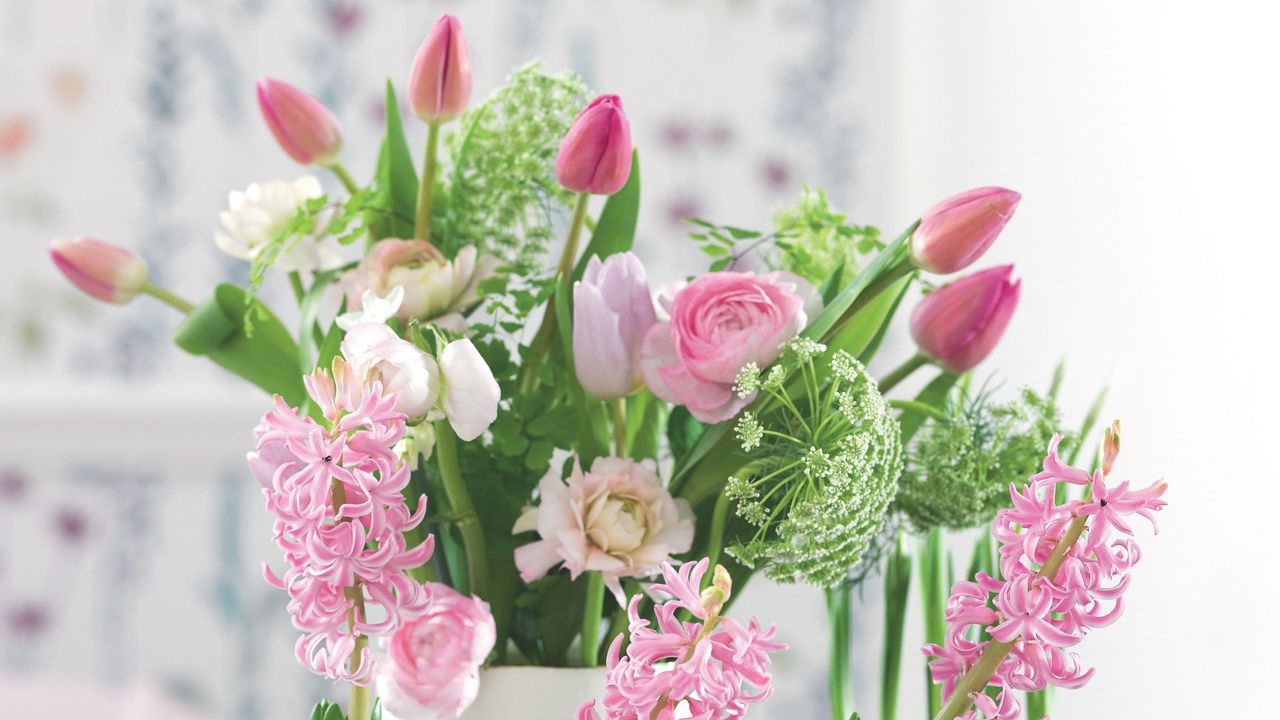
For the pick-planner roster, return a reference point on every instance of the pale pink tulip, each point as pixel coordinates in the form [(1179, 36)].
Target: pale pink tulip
[(595, 155), (612, 310), (954, 233), (959, 324), (440, 81), (303, 126), (106, 272)]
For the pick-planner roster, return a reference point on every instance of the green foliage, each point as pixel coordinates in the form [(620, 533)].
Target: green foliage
[(615, 231), (317, 219), (502, 192), (395, 178), (325, 710), (823, 468), (959, 470)]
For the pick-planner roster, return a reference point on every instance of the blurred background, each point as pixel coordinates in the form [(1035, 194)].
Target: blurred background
[(1142, 134)]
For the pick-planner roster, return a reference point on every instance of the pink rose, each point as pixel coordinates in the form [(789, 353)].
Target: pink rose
[(719, 323), (432, 669), (618, 520)]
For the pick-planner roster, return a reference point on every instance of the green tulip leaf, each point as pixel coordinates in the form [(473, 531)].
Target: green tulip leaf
[(396, 177), (615, 231)]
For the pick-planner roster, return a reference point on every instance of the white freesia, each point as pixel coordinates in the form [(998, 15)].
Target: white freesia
[(375, 309), (406, 372), (255, 215), (471, 393)]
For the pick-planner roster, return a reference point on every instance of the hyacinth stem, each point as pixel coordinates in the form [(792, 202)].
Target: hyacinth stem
[(839, 679), (980, 674), (591, 619), (168, 298), (619, 427), (345, 178), (427, 187), (902, 372), (455, 490), (568, 257), (361, 704)]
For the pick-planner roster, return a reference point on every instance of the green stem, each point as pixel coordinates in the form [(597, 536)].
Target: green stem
[(872, 291), (427, 187), (569, 256), (591, 619), (168, 298), (361, 705), (345, 178), (839, 688), (547, 330), (897, 587), (933, 598), (619, 427), (455, 490), (295, 282), (922, 408), (719, 519), (901, 372)]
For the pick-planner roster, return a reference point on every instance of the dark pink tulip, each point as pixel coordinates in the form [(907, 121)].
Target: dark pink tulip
[(595, 155), (304, 127), (959, 324), (106, 272), (440, 82), (956, 232)]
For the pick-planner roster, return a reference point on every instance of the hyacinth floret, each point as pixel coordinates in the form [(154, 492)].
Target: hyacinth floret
[(1037, 617), (337, 495)]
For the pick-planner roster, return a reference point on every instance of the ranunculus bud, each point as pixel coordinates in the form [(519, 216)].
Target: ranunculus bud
[(595, 155), (956, 232), (436, 289), (106, 272), (612, 310), (440, 82), (959, 324), (304, 127)]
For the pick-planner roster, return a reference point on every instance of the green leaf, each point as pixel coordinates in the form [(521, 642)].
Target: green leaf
[(616, 229), (307, 315), (396, 177), (682, 430), (935, 395), (268, 358), (645, 414), (560, 615), (856, 335), (891, 259), (897, 586)]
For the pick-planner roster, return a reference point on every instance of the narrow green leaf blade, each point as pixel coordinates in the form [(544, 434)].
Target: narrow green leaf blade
[(616, 229)]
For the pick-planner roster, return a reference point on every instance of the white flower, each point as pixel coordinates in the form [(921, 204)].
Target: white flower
[(255, 215), (374, 309), (406, 372), (470, 391)]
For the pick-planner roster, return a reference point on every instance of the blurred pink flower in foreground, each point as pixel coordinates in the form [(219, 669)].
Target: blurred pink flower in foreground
[(432, 667), (618, 520), (711, 666), (959, 324), (956, 232)]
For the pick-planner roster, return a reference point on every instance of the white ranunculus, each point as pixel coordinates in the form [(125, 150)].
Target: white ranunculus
[(470, 391), (255, 215), (406, 372)]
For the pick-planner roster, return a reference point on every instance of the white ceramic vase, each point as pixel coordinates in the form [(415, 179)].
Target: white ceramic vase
[(534, 693)]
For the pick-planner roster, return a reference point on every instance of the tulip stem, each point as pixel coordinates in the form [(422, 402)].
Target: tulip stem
[(901, 372), (464, 513), (427, 187), (168, 298), (620, 426), (542, 339), (591, 619), (570, 254), (348, 182)]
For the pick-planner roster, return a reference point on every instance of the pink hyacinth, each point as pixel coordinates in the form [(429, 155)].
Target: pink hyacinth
[(336, 490), (1038, 616), (711, 666)]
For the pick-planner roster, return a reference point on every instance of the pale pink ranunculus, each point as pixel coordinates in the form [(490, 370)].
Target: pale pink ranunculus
[(720, 322), (618, 520), (436, 289), (612, 311), (432, 665)]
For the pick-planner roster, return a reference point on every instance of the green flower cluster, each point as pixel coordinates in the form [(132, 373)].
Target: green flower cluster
[(824, 470), (503, 194), (959, 469), (813, 238)]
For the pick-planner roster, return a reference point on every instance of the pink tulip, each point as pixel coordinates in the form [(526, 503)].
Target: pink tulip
[(959, 324), (106, 272), (305, 128), (954, 233), (612, 310), (595, 156), (440, 82)]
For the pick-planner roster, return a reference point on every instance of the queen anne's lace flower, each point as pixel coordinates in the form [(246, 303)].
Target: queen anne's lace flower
[(336, 489), (711, 667), (1040, 617)]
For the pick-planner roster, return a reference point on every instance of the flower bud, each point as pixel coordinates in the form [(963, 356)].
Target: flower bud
[(1110, 447), (959, 324), (954, 233), (106, 272), (440, 81), (595, 155), (717, 593), (305, 128), (612, 311)]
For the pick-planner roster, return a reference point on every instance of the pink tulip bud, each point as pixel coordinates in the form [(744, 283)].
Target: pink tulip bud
[(959, 324), (954, 233), (106, 272), (612, 311), (440, 82), (595, 155), (304, 127)]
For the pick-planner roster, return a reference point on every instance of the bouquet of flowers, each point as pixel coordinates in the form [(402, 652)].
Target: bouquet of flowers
[(476, 458)]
